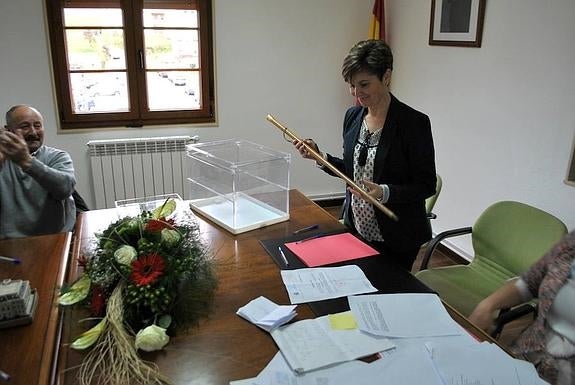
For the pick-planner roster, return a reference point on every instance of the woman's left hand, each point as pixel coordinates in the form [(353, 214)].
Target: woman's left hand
[(373, 189)]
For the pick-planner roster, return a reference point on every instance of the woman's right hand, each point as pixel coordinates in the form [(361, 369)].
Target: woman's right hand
[(304, 152)]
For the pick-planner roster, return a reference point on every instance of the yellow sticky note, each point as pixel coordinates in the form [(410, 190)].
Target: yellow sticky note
[(342, 321)]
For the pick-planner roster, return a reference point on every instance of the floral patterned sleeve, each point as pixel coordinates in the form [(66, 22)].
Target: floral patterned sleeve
[(537, 272), (533, 277)]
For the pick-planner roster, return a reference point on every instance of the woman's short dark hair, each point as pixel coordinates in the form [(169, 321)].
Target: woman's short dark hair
[(372, 56)]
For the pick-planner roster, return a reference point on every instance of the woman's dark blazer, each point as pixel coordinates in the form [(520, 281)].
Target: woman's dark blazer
[(405, 161)]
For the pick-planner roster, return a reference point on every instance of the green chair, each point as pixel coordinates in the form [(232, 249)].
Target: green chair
[(430, 202), (507, 238)]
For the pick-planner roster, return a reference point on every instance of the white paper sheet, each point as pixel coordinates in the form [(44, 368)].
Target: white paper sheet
[(313, 344), (247, 381), (481, 364), (278, 372), (319, 283), (407, 366), (266, 314), (402, 315)]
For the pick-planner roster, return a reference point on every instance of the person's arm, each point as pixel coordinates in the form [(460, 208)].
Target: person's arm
[(56, 177), (506, 296), (417, 142), (13, 147), (55, 172), (379, 192), (336, 162)]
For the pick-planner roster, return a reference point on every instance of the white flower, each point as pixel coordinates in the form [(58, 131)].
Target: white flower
[(152, 338), (125, 254), (170, 237)]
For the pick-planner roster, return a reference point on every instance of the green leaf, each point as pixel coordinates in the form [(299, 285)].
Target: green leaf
[(88, 338), (77, 292), (164, 210), (165, 321)]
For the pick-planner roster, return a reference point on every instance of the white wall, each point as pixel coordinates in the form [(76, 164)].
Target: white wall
[(272, 57), (502, 114)]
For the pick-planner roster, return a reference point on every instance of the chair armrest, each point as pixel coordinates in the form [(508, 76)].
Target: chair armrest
[(508, 315), (432, 245)]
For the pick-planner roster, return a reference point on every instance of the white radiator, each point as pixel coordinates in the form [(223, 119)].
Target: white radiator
[(138, 167)]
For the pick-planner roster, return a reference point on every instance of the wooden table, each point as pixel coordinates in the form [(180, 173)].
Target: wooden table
[(27, 352), (224, 347)]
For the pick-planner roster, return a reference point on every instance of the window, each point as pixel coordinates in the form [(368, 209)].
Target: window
[(132, 62)]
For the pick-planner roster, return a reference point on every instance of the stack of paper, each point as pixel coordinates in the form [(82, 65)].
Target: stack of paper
[(417, 341), (319, 283), (266, 314), (483, 363), (403, 315), (278, 372), (407, 366), (313, 343)]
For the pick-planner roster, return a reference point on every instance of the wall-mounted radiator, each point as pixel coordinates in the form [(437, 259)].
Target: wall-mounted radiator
[(138, 168)]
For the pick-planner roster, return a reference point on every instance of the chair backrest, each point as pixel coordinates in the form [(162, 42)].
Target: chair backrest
[(514, 235), (430, 202), (80, 203)]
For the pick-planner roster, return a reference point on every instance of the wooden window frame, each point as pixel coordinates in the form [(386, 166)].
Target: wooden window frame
[(139, 115)]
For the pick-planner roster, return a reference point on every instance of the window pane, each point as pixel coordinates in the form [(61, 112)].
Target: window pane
[(99, 92), (92, 17), (170, 18), (95, 49), (173, 90), (175, 49)]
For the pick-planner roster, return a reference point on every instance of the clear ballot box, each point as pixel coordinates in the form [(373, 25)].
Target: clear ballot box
[(147, 203), (238, 184)]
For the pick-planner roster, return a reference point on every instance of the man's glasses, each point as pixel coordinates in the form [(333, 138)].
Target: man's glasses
[(362, 158)]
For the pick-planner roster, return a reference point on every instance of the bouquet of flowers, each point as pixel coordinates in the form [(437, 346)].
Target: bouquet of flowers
[(147, 278)]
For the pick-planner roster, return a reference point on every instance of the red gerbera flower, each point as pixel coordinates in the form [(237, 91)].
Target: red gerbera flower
[(97, 304), (147, 269), (154, 225)]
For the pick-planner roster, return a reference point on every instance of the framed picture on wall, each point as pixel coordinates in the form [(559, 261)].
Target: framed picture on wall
[(456, 22)]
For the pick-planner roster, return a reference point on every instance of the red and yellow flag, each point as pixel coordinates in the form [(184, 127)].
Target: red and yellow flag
[(377, 24)]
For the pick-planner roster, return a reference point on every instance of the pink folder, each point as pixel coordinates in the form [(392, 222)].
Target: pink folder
[(330, 249)]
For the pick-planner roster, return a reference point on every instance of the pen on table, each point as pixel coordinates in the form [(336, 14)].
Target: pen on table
[(309, 228), (4, 376), (310, 238), (15, 261), (283, 256)]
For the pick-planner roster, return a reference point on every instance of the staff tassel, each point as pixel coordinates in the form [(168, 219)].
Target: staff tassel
[(318, 158)]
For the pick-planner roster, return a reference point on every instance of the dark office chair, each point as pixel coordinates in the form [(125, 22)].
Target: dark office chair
[(80, 203), (508, 315), (508, 237)]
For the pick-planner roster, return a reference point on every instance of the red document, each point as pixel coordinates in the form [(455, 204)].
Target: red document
[(330, 249)]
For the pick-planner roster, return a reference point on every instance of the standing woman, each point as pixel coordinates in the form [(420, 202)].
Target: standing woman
[(388, 150)]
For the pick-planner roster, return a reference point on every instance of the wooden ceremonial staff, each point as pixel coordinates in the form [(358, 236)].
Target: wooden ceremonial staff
[(324, 162)]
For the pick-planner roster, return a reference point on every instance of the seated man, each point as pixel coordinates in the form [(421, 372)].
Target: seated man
[(36, 181)]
